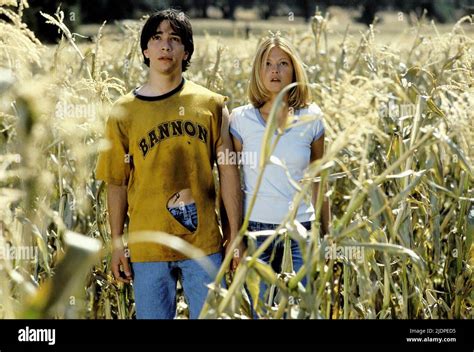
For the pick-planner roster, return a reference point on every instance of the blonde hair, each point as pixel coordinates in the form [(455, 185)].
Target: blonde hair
[(299, 96)]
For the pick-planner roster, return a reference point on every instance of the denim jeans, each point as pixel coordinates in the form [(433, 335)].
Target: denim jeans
[(186, 215), (154, 285), (276, 249), (155, 282)]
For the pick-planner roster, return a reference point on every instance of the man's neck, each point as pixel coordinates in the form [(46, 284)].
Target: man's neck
[(160, 84)]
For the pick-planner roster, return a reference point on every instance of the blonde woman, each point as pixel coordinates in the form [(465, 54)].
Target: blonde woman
[(275, 66)]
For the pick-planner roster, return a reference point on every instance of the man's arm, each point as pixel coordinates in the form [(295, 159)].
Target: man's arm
[(317, 152), (230, 188), (117, 207)]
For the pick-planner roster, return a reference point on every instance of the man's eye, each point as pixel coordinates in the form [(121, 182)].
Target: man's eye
[(155, 37), (176, 39)]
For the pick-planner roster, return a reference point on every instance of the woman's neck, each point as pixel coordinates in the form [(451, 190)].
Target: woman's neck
[(282, 114)]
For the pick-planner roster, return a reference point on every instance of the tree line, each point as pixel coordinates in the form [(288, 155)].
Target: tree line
[(84, 11)]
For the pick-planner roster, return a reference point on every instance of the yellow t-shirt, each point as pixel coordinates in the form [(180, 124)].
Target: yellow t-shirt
[(159, 146)]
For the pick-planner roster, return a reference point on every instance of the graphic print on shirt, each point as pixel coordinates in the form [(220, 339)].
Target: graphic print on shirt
[(165, 130)]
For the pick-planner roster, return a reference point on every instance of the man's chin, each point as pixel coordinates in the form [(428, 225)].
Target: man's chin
[(166, 70)]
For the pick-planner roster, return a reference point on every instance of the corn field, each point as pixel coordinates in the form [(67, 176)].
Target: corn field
[(398, 168)]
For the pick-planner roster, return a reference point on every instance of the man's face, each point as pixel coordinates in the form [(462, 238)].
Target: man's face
[(165, 50)]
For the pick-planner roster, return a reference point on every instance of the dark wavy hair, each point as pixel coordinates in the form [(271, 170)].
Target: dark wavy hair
[(180, 24)]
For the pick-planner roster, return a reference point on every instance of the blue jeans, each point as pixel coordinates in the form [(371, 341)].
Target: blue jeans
[(186, 215), (155, 282), (273, 255), (154, 285)]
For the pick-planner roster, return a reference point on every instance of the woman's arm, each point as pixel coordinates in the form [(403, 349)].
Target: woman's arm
[(317, 152)]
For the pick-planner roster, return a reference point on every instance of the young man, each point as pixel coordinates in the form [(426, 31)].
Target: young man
[(165, 137)]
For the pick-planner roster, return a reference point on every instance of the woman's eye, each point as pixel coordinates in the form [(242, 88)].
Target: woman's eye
[(176, 39), (284, 63)]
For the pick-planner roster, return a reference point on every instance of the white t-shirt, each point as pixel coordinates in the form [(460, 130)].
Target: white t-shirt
[(275, 195)]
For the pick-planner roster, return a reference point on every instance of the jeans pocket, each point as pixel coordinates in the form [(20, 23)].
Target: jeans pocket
[(191, 216), (186, 216)]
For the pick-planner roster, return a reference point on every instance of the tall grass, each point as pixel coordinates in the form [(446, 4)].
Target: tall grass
[(398, 165)]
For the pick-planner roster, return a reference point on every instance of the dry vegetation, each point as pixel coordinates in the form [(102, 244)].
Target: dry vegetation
[(399, 167)]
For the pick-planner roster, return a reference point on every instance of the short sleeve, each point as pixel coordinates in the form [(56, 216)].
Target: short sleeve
[(235, 125), (113, 165), (318, 123)]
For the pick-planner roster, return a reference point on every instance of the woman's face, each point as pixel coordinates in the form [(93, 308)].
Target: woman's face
[(277, 72)]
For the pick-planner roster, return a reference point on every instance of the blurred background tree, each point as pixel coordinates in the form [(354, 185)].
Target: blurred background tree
[(85, 11)]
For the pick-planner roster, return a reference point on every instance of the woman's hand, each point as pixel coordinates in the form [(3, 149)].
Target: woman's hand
[(237, 254)]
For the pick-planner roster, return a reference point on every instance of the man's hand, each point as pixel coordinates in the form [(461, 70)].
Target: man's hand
[(117, 206), (121, 266)]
